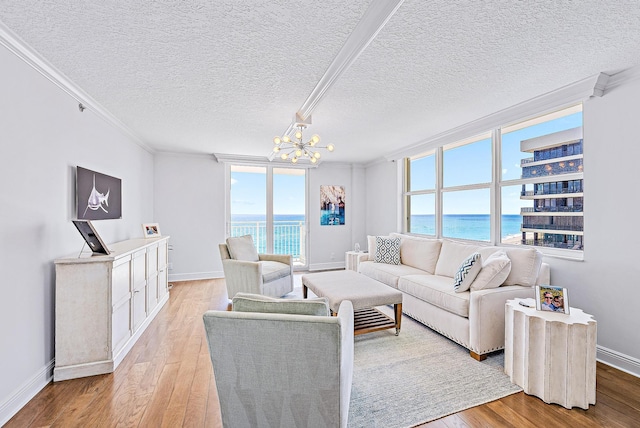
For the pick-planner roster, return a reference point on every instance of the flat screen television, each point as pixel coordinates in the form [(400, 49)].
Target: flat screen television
[(98, 196), (91, 237)]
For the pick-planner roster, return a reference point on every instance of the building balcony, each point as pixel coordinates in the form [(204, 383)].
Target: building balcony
[(571, 209), (559, 229)]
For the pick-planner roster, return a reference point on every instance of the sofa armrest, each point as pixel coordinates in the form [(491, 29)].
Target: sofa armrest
[(486, 316), (544, 277), (242, 276), (287, 259), (363, 257), (345, 316)]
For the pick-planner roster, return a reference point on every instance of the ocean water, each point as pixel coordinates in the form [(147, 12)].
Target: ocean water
[(476, 227), (288, 228)]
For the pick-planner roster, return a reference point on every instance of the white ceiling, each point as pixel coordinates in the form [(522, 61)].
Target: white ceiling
[(226, 76)]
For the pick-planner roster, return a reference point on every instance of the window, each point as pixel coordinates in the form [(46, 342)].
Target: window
[(268, 203), (520, 184), (545, 153), (420, 201)]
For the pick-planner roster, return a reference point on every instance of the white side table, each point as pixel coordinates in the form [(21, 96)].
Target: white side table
[(551, 355), (351, 260)]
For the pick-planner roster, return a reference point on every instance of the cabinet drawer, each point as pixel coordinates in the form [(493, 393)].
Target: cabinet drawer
[(139, 308), (152, 260), (139, 269), (121, 326), (121, 282)]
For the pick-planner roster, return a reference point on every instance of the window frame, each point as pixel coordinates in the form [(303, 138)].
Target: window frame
[(496, 185)]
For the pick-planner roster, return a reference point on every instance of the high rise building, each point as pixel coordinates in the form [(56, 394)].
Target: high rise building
[(555, 186)]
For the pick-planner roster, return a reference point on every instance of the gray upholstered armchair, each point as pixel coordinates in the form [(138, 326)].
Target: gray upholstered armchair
[(275, 369), (249, 272)]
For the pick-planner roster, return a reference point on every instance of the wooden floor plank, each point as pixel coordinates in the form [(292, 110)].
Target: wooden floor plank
[(167, 380)]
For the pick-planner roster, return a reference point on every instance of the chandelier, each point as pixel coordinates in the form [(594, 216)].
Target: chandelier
[(297, 149)]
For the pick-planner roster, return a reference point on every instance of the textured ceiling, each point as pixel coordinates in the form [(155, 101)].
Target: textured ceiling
[(226, 76)]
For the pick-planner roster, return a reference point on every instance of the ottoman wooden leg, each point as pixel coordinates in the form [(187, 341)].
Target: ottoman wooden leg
[(398, 315), (304, 291)]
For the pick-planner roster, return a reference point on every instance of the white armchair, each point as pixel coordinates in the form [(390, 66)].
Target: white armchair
[(246, 271), (275, 369)]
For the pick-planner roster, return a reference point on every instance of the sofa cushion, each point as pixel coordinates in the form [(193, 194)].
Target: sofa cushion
[(274, 270), (242, 248), (467, 272), (421, 253), (525, 266), (387, 274), (436, 290), (452, 254), (246, 302), (371, 246), (387, 250), (495, 270)]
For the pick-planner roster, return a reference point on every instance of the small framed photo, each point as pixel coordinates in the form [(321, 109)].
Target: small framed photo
[(151, 230), (552, 299)]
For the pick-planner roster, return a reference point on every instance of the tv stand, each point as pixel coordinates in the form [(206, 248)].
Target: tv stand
[(105, 302)]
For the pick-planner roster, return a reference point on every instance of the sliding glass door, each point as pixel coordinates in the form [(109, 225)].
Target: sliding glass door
[(269, 204)]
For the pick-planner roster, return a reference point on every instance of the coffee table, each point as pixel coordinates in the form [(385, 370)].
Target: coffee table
[(363, 292)]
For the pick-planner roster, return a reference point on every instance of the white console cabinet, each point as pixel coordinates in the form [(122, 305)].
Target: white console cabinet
[(105, 302)]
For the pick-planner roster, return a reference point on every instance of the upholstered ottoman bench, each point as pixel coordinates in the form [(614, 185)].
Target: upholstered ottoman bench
[(363, 292)]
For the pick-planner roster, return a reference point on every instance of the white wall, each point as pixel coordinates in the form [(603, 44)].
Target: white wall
[(382, 199), (328, 244), (189, 205), (605, 284), (43, 137)]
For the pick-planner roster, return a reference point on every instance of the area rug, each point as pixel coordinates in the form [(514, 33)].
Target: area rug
[(418, 376)]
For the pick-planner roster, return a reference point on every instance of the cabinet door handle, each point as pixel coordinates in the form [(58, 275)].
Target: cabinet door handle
[(136, 291)]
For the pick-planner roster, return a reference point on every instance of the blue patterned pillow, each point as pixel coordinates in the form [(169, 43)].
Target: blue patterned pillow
[(387, 250), (467, 272)]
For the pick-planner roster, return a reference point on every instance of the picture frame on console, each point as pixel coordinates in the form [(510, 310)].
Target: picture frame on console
[(553, 299), (151, 230)]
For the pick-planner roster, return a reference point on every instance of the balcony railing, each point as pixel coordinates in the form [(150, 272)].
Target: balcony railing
[(288, 236), (572, 209), (570, 245), (556, 192), (552, 227)]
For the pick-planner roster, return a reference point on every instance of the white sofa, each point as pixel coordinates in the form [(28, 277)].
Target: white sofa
[(472, 318)]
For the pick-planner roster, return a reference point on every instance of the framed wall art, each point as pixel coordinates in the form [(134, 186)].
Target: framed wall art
[(332, 205)]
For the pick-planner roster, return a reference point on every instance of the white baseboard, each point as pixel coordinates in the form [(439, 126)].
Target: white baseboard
[(195, 276), (618, 360), (327, 266), (20, 397)]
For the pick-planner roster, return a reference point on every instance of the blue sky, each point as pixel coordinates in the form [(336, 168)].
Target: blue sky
[(249, 193)]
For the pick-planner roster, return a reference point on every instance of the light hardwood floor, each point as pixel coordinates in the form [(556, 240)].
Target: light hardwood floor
[(167, 381)]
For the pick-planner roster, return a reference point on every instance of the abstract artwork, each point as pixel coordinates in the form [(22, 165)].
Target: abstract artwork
[(332, 204)]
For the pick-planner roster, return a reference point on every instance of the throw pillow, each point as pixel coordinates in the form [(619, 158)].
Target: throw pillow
[(242, 248), (371, 246), (468, 271), (247, 302), (387, 250), (495, 270)]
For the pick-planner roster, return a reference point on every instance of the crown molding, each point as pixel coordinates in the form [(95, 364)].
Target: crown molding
[(26, 53), (623, 77), (593, 86)]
